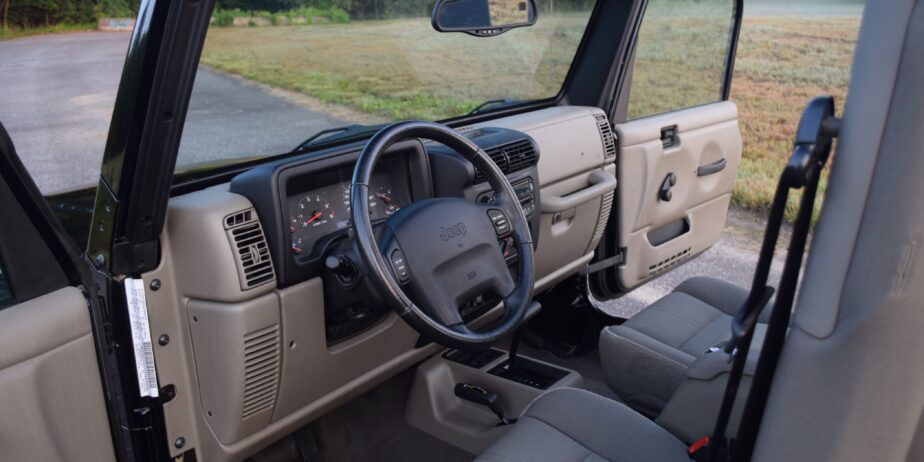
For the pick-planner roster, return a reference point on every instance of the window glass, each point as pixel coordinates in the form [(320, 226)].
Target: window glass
[(57, 91), (270, 77), (680, 55)]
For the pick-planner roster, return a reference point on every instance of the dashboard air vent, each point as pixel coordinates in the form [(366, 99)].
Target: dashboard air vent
[(606, 136), (254, 265), (510, 157), (520, 155), (261, 370)]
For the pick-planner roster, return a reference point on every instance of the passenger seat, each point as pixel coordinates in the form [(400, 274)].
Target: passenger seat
[(644, 360)]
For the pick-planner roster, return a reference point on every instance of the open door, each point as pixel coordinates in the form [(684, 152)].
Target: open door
[(51, 390), (679, 144)]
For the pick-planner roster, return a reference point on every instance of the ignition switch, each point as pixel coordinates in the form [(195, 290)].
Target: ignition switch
[(343, 268)]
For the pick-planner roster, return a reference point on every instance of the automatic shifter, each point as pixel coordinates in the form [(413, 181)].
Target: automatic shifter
[(479, 395)]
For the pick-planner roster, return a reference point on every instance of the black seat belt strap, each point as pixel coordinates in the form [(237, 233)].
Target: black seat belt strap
[(818, 146), (812, 147)]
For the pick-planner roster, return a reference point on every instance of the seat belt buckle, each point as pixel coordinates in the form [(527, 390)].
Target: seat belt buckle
[(699, 449)]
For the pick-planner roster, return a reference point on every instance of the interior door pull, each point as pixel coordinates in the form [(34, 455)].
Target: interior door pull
[(709, 169)]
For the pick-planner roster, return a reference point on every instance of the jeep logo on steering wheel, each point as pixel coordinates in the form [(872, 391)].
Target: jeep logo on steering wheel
[(449, 232)]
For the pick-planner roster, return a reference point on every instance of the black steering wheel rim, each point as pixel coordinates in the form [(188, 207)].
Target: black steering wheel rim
[(380, 273)]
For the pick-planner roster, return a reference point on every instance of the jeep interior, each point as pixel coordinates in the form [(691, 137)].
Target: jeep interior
[(423, 290)]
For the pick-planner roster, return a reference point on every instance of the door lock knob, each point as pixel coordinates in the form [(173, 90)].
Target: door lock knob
[(664, 193)]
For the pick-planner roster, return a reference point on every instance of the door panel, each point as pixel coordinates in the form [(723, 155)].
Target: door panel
[(51, 398), (658, 232)]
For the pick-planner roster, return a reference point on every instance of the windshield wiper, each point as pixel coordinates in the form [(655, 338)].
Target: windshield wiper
[(493, 103), (329, 134)]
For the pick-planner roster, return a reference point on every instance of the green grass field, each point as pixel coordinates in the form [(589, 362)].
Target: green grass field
[(14, 33), (401, 69)]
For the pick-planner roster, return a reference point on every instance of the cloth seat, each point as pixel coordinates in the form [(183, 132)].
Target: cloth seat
[(644, 360), (568, 424)]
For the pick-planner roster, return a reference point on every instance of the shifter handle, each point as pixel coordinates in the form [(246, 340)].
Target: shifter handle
[(479, 395)]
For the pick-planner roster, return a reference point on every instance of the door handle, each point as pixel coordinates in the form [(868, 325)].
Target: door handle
[(709, 169), (600, 183)]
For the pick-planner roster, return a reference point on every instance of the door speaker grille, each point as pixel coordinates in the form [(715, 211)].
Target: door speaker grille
[(670, 262), (261, 370)]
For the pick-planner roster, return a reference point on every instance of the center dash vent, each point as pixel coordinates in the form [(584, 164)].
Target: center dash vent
[(606, 136), (254, 265), (510, 157)]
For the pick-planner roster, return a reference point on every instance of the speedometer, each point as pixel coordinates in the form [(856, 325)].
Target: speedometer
[(373, 200), (389, 203)]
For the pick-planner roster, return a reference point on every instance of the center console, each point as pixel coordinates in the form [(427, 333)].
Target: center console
[(435, 407)]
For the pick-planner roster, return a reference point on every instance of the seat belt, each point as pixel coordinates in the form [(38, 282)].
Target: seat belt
[(813, 141)]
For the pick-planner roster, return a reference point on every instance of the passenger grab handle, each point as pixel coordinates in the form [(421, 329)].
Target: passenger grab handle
[(600, 182)]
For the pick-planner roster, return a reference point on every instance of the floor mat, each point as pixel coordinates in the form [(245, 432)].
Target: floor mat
[(372, 428)]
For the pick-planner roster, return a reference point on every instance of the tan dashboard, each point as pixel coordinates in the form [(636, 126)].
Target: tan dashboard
[(250, 360)]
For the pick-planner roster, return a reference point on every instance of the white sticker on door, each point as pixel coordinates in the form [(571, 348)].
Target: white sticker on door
[(141, 337)]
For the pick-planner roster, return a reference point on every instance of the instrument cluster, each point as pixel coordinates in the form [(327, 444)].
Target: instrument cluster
[(322, 211)]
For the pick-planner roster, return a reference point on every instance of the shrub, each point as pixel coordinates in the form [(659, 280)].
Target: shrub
[(114, 9), (225, 18), (333, 14)]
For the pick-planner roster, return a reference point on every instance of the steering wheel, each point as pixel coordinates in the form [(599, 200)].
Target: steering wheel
[(444, 251)]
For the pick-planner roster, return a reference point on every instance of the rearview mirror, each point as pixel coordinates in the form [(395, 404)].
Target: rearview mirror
[(483, 18)]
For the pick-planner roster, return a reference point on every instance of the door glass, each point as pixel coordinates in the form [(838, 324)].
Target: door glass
[(680, 55), (57, 92)]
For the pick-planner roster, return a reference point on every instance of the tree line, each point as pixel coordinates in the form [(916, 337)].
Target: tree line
[(37, 13), (376, 9)]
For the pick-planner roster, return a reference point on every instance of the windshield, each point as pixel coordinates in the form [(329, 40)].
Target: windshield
[(270, 78)]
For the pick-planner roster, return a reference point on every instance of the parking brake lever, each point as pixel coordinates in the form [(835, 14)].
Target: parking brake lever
[(479, 395)]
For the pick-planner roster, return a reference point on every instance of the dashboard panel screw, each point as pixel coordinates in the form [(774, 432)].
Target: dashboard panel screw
[(100, 260), (163, 340), (155, 284), (180, 442)]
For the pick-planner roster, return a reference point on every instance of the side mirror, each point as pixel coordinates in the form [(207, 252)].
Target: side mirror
[(483, 18)]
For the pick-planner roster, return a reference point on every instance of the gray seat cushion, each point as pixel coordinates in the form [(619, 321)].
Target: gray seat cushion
[(645, 358), (568, 424)]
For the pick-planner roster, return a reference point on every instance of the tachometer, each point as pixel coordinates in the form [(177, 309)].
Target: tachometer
[(310, 217), (314, 211)]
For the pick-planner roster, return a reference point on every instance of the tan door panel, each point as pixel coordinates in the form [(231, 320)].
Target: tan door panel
[(51, 398), (659, 234)]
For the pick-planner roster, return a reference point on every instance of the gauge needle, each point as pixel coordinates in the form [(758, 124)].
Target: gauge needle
[(314, 217), (384, 196)]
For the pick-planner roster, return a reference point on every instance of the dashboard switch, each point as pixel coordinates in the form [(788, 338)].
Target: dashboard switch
[(501, 225), (399, 265)]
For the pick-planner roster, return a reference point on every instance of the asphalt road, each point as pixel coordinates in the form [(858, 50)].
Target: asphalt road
[(57, 94), (56, 98)]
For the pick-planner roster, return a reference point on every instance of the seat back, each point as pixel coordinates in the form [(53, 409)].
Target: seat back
[(850, 382)]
